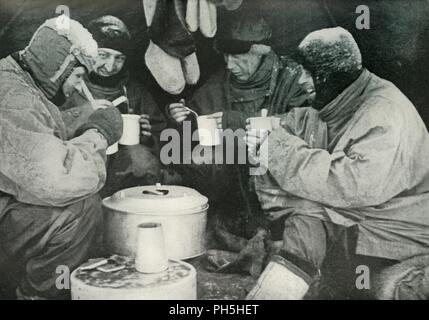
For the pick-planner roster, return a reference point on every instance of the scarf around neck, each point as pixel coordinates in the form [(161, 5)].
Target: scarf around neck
[(339, 111), (106, 88), (258, 85)]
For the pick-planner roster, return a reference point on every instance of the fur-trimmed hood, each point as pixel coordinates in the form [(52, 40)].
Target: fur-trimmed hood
[(56, 48)]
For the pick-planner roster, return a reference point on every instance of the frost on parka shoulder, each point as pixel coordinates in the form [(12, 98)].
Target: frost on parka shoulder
[(38, 165), (360, 161)]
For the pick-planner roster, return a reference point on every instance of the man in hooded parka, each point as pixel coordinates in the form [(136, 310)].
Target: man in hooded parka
[(49, 206), (351, 175)]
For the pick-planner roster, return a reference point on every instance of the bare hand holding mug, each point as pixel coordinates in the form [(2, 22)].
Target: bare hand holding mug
[(178, 111), (146, 128)]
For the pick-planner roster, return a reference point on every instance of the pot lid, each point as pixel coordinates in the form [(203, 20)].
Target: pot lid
[(156, 199)]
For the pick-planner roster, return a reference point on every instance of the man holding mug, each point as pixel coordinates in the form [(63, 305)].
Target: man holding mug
[(255, 78), (134, 164), (352, 176), (49, 203)]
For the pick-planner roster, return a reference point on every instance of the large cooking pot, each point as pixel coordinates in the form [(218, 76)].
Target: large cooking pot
[(181, 211)]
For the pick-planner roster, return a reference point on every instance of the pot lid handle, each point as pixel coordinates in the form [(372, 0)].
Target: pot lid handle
[(157, 192)]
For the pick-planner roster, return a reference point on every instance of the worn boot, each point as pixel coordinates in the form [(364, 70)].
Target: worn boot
[(281, 280)]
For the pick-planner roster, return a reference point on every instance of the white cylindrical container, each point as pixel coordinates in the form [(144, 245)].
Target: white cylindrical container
[(131, 132), (181, 211), (178, 282), (151, 256), (208, 132)]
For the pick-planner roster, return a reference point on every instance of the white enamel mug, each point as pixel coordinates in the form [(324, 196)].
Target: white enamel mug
[(131, 132), (208, 132)]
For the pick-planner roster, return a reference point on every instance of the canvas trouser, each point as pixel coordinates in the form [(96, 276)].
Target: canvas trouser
[(35, 240), (313, 247)]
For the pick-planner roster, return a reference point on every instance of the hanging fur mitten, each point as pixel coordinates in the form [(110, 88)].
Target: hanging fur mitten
[(169, 30), (207, 18), (191, 69), (166, 69), (149, 10), (170, 41), (192, 8)]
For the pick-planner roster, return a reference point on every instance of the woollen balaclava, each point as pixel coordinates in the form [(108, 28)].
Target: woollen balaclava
[(58, 46), (243, 34), (334, 60), (111, 32)]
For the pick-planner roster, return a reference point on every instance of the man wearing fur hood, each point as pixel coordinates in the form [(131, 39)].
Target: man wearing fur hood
[(49, 204), (351, 177)]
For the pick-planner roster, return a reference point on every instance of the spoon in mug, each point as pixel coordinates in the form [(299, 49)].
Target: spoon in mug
[(182, 101)]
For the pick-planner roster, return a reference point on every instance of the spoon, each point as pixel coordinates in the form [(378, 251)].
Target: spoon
[(182, 101)]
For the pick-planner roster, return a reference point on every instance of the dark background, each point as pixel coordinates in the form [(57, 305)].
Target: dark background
[(396, 47)]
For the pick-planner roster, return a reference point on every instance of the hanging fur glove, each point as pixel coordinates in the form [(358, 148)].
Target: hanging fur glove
[(192, 8), (166, 69), (191, 69), (169, 31), (170, 42), (207, 18), (149, 10)]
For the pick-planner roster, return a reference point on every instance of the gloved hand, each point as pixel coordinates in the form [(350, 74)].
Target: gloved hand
[(108, 121)]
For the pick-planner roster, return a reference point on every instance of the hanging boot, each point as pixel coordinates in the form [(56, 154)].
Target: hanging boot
[(169, 30), (149, 10), (208, 18), (191, 69), (192, 7), (170, 41), (166, 69)]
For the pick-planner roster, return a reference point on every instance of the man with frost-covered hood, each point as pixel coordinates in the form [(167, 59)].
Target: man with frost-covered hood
[(350, 174)]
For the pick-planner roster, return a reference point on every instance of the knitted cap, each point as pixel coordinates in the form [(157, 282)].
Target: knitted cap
[(110, 32), (243, 33)]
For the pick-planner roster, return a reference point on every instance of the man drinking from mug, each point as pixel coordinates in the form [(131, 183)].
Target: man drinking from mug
[(136, 164), (49, 203)]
